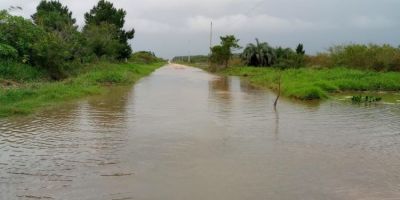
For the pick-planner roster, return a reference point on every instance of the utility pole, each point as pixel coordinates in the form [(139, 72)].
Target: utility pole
[(211, 36), (189, 52)]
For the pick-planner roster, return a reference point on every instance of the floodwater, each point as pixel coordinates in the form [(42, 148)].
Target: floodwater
[(182, 134)]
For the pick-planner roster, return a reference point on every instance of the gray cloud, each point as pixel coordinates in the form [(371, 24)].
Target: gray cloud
[(176, 27)]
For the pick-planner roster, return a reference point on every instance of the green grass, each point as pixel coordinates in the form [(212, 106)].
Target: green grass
[(20, 72), (31, 96), (309, 84)]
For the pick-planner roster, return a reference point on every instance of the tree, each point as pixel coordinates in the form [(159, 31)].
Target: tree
[(62, 43), (300, 49), (20, 34), (104, 12), (53, 16), (221, 54), (259, 54), (53, 53), (102, 40)]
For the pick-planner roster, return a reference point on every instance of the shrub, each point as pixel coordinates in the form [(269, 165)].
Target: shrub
[(10, 70), (320, 60), (52, 52), (102, 40), (371, 57), (8, 52), (20, 34), (145, 57)]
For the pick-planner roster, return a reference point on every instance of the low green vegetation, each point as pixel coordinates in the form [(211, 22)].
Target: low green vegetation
[(16, 99), (344, 68), (48, 59), (52, 43), (309, 84)]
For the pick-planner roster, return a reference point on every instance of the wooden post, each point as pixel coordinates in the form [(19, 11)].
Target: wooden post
[(279, 90)]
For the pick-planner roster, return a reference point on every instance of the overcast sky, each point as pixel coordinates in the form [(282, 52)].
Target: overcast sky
[(180, 27)]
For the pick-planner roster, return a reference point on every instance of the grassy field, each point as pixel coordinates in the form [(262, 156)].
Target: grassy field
[(309, 84), (30, 93)]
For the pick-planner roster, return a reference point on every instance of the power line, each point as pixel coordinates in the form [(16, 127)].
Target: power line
[(255, 6)]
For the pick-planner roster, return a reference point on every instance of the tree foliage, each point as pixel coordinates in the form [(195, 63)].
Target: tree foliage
[(220, 54), (105, 13), (52, 52), (53, 16), (20, 34), (62, 43), (259, 54), (8, 52), (300, 49), (102, 40), (52, 42)]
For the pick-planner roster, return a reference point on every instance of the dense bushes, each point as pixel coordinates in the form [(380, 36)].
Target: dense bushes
[(102, 40), (262, 54), (19, 72), (372, 57), (145, 57), (359, 56), (8, 52), (52, 42), (20, 34)]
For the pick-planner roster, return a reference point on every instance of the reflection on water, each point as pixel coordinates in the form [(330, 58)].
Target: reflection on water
[(184, 134)]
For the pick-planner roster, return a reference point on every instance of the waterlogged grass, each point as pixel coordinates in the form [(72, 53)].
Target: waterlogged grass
[(309, 84), (29, 97)]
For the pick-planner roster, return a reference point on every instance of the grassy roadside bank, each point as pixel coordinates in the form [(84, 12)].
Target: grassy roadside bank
[(309, 84), (25, 98), (314, 84)]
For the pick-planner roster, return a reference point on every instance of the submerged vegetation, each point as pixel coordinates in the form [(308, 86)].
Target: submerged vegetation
[(365, 99), (352, 67)]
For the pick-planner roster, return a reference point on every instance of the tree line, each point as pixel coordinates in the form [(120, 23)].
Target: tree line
[(52, 41), (260, 54)]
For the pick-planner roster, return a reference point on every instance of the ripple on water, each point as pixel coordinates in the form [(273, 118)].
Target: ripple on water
[(185, 133)]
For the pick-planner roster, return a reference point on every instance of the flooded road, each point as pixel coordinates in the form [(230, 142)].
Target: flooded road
[(184, 134)]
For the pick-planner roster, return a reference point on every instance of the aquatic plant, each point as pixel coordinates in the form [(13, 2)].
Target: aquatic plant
[(365, 99)]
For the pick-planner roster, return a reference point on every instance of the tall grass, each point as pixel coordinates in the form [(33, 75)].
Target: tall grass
[(20, 72), (34, 95), (359, 56), (308, 84)]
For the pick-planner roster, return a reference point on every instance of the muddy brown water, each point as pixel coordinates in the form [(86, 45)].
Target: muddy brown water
[(182, 133)]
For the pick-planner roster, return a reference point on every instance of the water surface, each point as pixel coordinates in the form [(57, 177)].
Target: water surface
[(184, 134)]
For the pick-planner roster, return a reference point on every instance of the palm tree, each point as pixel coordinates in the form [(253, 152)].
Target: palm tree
[(259, 54)]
